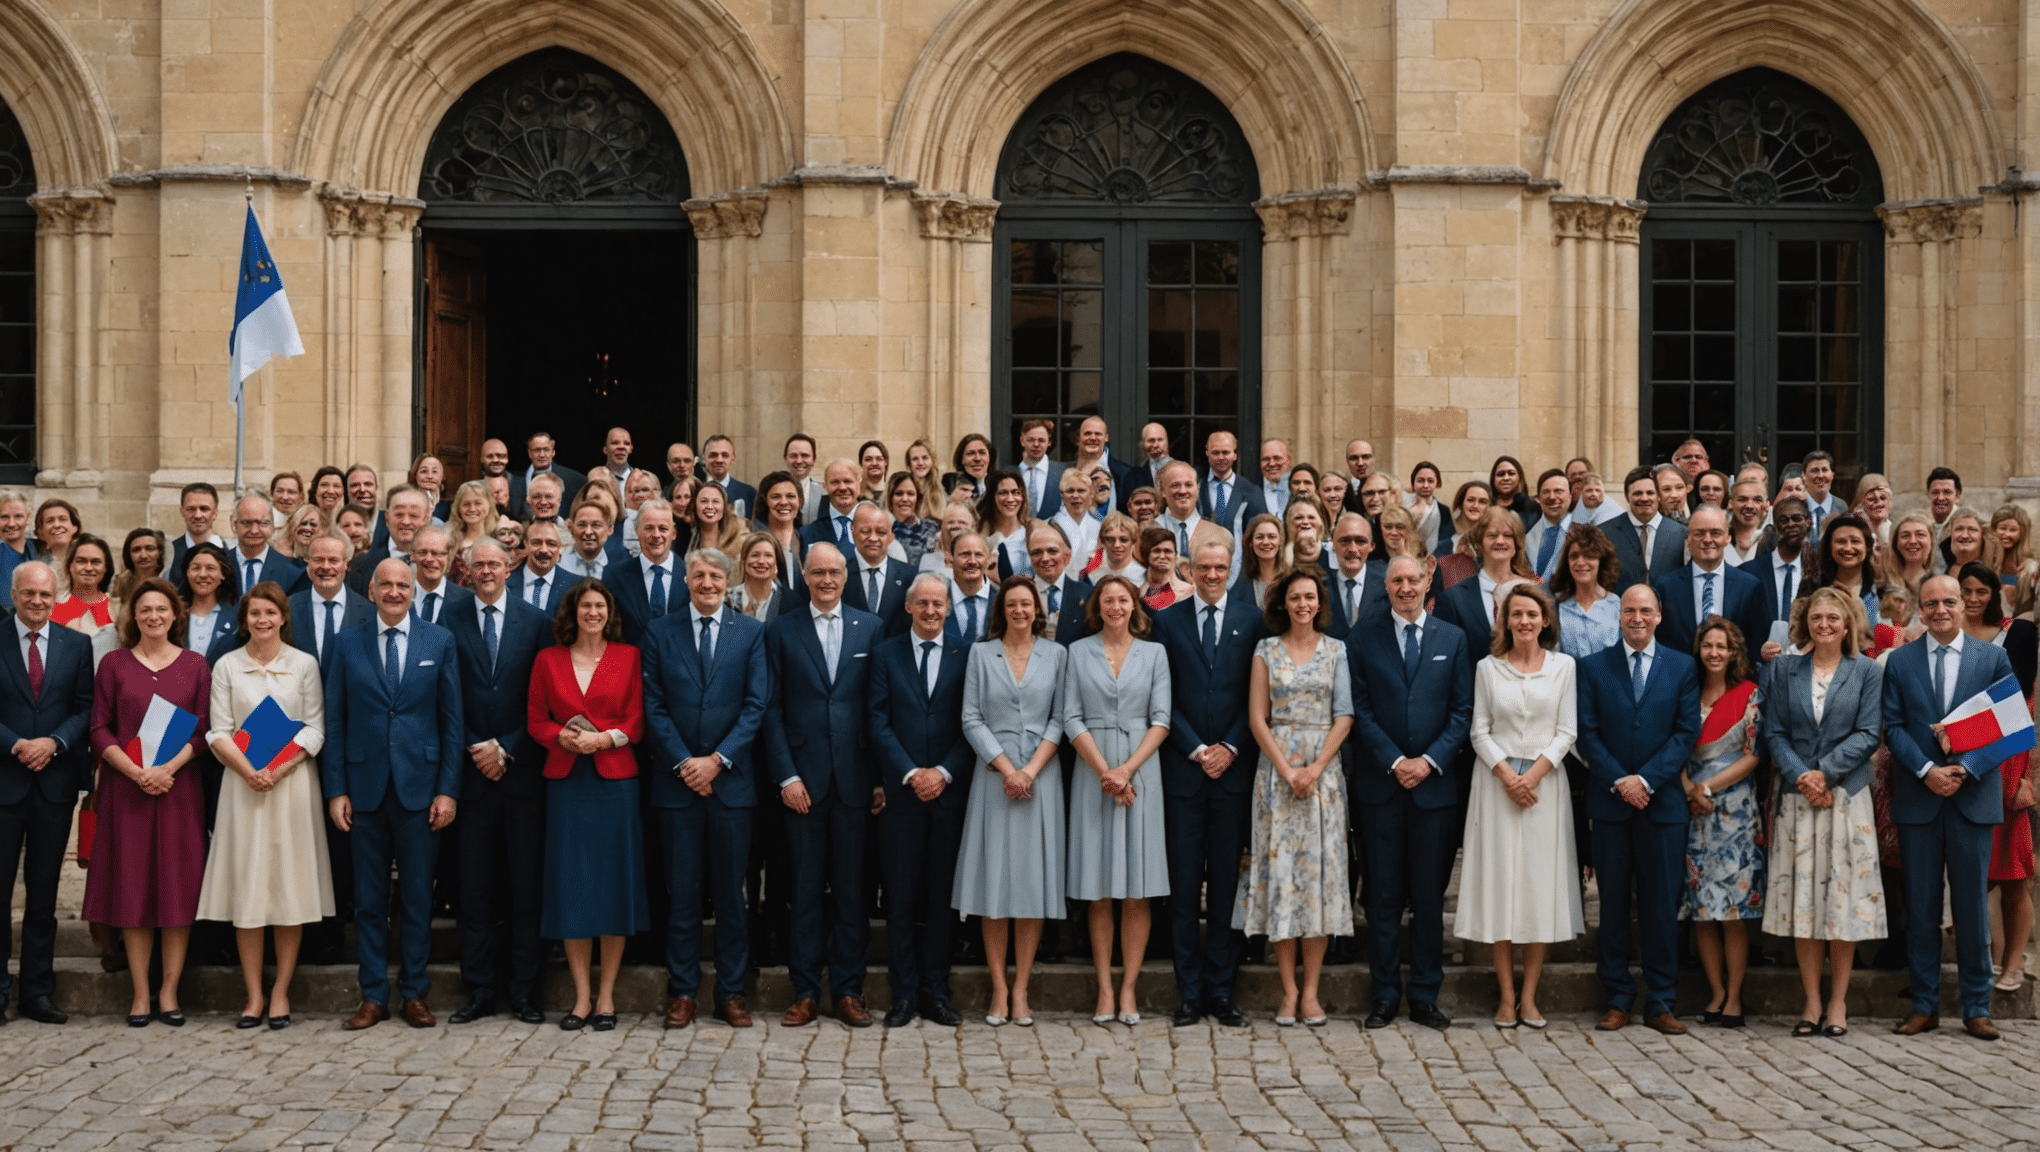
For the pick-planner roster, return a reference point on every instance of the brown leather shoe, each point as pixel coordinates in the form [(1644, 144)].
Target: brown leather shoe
[(1916, 1023), (368, 1015), (1613, 1020), (802, 1013), (732, 1013), (850, 1010), (1980, 1027), (417, 1015), (1666, 1023), (680, 1013)]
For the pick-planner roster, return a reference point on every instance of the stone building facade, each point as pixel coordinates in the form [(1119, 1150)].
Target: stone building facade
[(1458, 228)]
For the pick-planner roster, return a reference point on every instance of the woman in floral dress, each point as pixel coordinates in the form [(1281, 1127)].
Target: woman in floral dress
[(1724, 863)]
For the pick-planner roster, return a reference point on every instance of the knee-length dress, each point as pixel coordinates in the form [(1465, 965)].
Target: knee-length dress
[(1116, 851), (1295, 884), (594, 877), (1822, 872), (148, 858), (1724, 862), (1521, 879), (268, 863), (1013, 856)]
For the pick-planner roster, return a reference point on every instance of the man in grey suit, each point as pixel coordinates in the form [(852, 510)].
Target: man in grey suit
[(1648, 543)]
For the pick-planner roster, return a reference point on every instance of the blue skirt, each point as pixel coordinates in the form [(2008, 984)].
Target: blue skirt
[(594, 857)]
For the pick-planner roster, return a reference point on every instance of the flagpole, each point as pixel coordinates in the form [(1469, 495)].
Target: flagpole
[(240, 399)]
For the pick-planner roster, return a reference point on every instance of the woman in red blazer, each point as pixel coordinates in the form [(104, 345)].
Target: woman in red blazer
[(587, 706)]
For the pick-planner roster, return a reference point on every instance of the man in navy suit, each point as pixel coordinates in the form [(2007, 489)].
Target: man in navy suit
[(45, 706), (1639, 712), (431, 557), (705, 694), (1041, 476), (831, 524), (391, 769), (1643, 526), (1412, 708), (1154, 456), (1065, 593), (1709, 586), (718, 457), (816, 739), (970, 589), (872, 571), (1359, 586), (326, 608), (502, 793), (650, 586), (407, 515), (925, 766), (254, 560), (595, 546), (1783, 569), (1226, 498), (1946, 807), (539, 581), (1207, 780), (542, 451), (199, 505)]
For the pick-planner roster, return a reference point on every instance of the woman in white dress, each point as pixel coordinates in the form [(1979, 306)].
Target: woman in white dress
[(268, 867), (1520, 884)]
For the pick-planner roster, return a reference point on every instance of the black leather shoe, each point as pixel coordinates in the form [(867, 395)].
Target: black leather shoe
[(1227, 1014), (1381, 1014), (1185, 1016), (174, 1017), (941, 1012), (1429, 1016), (900, 1014), (480, 1006), (603, 1021), (42, 1010), (527, 1014)]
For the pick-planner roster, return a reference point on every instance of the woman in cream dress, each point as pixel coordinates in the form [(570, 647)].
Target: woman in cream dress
[(1521, 882), (268, 867)]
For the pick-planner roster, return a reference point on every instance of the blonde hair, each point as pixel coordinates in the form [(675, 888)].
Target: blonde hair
[(1857, 635), (490, 518)]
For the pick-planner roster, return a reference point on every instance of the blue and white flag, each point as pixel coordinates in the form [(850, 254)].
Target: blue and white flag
[(165, 729), (263, 325)]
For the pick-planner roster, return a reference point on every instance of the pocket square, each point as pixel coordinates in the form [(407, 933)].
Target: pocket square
[(1437, 658), (859, 655), (425, 663)]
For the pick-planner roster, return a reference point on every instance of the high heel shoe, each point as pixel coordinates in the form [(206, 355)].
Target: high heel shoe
[(1130, 1019), (279, 1023), (995, 1021), (1103, 1019)]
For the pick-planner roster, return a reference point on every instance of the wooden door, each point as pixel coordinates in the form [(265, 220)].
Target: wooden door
[(456, 361)]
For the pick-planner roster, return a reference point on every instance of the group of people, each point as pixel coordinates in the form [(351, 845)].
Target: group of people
[(621, 704)]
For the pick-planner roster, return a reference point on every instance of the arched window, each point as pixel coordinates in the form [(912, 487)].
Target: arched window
[(17, 305), (558, 269), (1128, 262), (1762, 274)]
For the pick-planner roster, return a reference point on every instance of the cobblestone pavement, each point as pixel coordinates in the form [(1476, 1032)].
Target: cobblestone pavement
[(1063, 1084)]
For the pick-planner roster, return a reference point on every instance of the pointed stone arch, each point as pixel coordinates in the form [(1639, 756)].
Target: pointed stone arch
[(63, 114)]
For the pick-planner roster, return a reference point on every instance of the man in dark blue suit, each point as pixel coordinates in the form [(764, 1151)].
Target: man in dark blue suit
[(254, 560), (1639, 712), (831, 524), (970, 587), (872, 571), (1709, 586), (1946, 807), (543, 453), (1065, 593), (1359, 585), (1040, 477), (502, 793), (539, 581), (407, 514), (1207, 781), (718, 457), (1644, 522), (650, 586), (1412, 707), (1783, 569), (45, 706), (431, 561), (1225, 497), (199, 505), (326, 608), (705, 694), (925, 766), (390, 770), (816, 739)]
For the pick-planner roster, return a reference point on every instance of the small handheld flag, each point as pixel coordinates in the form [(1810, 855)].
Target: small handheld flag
[(263, 324), (267, 736), (1994, 724), (165, 729)]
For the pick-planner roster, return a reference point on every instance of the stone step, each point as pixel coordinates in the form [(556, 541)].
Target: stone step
[(1469, 993)]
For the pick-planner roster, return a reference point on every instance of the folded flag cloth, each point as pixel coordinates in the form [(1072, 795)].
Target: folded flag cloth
[(1995, 725), (268, 737), (165, 729)]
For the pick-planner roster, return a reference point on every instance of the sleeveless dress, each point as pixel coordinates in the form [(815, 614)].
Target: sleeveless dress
[(1724, 863), (1295, 884)]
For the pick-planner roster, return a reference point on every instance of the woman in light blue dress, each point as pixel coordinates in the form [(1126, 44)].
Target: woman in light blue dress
[(1300, 709), (1115, 705), (1010, 870)]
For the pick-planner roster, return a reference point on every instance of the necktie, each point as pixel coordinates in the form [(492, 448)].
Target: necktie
[(432, 607), (1054, 599), (1352, 599), (254, 570), (390, 667), (1785, 596), (1644, 532), (1636, 675), (1547, 547), (843, 533), (35, 665), (970, 619), (326, 635), (1940, 676), (1818, 513), (1218, 504), (707, 645), (1182, 539), (538, 592), (871, 589), (830, 644), (1707, 596), (1412, 645), (658, 597), (1210, 634), (491, 639), (927, 654)]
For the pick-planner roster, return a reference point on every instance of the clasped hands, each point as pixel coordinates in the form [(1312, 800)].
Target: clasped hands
[(1518, 785), (1214, 759), (1300, 775), (266, 778), (1118, 784), (1814, 787), (1634, 791), (35, 754)]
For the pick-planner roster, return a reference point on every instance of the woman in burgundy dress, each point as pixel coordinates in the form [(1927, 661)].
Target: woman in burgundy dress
[(150, 855)]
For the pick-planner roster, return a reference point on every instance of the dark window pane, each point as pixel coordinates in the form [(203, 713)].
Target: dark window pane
[(1838, 260), (1034, 394), (1169, 263), (1671, 307), (1714, 408), (1065, 441), (1838, 308), (1218, 329), (1848, 452), (1082, 397), (1179, 438), (1083, 261), (1795, 310), (1671, 357), (17, 249), (1796, 409), (1084, 317), (1033, 261), (1713, 357), (1838, 356), (1793, 447), (1721, 450), (1795, 358), (17, 348), (1169, 335), (1837, 407), (1662, 446), (1671, 259), (1218, 262), (1671, 407), (1714, 308), (1713, 259), (1218, 394), (1037, 329), (1796, 259), (1168, 392)]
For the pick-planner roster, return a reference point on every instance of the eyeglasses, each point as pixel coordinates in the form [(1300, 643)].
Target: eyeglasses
[(1793, 518)]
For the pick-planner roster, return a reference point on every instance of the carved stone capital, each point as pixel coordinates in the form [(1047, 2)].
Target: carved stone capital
[(1316, 212), (1596, 218), (739, 213), (1932, 221), (954, 216), (350, 212), (72, 211)]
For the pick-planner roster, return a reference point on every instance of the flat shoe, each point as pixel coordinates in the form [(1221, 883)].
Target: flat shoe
[(174, 1017), (1835, 1030), (1316, 1021), (1710, 1016), (1024, 1021), (1731, 1021), (572, 1023), (1129, 1018), (1285, 1021), (141, 1021), (1500, 1023), (1536, 1023), (1103, 1019), (249, 1022), (2011, 983), (279, 1023), (995, 1021), (603, 1021)]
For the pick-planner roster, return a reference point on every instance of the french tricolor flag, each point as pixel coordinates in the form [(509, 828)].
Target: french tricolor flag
[(165, 729), (1994, 725), (267, 736)]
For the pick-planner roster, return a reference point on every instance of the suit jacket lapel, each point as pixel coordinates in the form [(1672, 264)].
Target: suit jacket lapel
[(12, 657), (812, 644)]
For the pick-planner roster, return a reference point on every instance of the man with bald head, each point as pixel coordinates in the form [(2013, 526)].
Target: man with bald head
[(1359, 466), (831, 523), (395, 744), (1708, 585), (877, 583), (254, 560), (1225, 497), (1275, 462), (1154, 456), (1639, 713)]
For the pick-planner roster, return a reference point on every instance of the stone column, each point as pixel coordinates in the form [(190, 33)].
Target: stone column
[(73, 231), (1922, 352), (956, 235), (369, 305), (1596, 237), (1305, 398), (728, 232)]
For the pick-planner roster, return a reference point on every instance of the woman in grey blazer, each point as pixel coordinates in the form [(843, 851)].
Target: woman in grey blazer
[(1823, 722), (1115, 704), (1010, 870)]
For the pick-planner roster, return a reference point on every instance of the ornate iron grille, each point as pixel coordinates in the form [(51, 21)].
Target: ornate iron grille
[(17, 170), (554, 127), (1127, 131), (1760, 138)]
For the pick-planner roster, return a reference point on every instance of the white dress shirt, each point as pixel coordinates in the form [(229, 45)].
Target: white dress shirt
[(576, 564), (673, 585), (1779, 570), (1034, 479), (382, 641), (438, 593), (1488, 586), (1951, 669), (1275, 494), (318, 621), (860, 571), (1351, 590), (983, 599), (241, 562), (532, 595), (930, 660), (1216, 614), (1700, 575)]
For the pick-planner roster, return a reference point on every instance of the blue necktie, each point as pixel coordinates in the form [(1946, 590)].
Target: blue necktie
[(1412, 646), (1706, 596), (970, 619), (1819, 513), (1785, 598), (871, 589), (432, 607), (1940, 677), (1636, 676), (658, 592), (254, 570), (390, 666), (491, 639), (843, 533), (538, 592), (707, 645), (1220, 496), (326, 640), (1547, 548), (927, 685), (1210, 635), (1054, 599)]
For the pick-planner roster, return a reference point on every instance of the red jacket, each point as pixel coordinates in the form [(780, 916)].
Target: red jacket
[(615, 699)]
